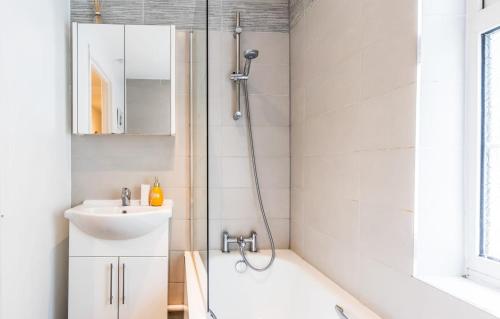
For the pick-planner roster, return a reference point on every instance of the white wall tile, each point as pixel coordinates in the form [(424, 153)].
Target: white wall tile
[(272, 141), (388, 121), (386, 235), (233, 141), (270, 110), (236, 172), (274, 172), (269, 79), (273, 47), (180, 234), (388, 177), (380, 21), (389, 64), (389, 293)]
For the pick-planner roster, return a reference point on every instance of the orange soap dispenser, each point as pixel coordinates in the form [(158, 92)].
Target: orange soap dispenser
[(156, 194)]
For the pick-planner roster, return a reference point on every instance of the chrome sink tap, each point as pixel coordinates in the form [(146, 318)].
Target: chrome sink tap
[(126, 194)]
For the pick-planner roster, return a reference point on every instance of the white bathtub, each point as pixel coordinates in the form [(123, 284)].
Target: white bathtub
[(290, 289)]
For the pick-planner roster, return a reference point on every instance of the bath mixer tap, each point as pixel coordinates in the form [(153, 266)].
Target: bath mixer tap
[(126, 194), (241, 241)]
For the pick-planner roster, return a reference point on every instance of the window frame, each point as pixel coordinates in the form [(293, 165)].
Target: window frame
[(479, 21)]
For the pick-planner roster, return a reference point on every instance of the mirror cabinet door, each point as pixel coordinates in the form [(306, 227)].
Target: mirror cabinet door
[(124, 76), (148, 78), (100, 95)]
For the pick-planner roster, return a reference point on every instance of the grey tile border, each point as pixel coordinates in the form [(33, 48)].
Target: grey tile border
[(82, 11), (297, 10), (123, 12), (112, 11), (181, 13), (214, 14), (257, 15)]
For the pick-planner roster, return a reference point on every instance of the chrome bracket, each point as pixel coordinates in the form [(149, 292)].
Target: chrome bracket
[(340, 312)]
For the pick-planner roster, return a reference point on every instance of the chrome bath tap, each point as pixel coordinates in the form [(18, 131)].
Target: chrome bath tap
[(241, 241)]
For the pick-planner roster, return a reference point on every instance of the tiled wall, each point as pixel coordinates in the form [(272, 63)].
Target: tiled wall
[(233, 200), (102, 165), (353, 93)]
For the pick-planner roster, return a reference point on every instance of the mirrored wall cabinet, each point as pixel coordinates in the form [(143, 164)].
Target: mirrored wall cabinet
[(123, 79)]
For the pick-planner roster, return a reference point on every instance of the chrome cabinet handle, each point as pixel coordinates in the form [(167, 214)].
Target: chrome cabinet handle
[(111, 284), (123, 285)]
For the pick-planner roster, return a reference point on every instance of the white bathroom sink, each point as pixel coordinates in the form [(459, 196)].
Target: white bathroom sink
[(107, 219)]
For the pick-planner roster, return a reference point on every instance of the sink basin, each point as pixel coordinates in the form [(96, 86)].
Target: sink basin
[(107, 219)]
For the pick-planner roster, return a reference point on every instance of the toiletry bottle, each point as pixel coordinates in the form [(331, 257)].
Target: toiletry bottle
[(156, 195), (145, 190)]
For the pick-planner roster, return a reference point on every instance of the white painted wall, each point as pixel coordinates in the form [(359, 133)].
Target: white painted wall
[(440, 140), (35, 158)]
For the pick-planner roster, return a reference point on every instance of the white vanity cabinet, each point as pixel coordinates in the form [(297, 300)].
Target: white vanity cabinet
[(93, 287), (143, 287), (118, 260), (118, 287)]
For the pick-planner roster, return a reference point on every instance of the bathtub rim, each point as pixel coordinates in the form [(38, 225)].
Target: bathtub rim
[(195, 300), (346, 300)]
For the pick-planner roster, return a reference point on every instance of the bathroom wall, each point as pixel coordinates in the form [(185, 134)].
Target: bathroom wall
[(440, 141), (353, 132), (35, 159), (233, 200), (101, 165)]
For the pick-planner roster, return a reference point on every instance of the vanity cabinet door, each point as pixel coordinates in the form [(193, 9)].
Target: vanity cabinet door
[(93, 288), (143, 285)]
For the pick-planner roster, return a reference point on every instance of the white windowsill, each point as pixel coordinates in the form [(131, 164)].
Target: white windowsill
[(471, 292)]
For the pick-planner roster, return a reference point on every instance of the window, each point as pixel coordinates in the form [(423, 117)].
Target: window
[(490, 150), (482, 159)]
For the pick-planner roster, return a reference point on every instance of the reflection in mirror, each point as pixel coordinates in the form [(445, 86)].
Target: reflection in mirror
[(149, 51), (99, 99), (101, 107), (148, 106)]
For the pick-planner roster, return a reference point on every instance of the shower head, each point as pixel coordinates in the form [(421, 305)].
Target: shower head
[(251, 54)]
